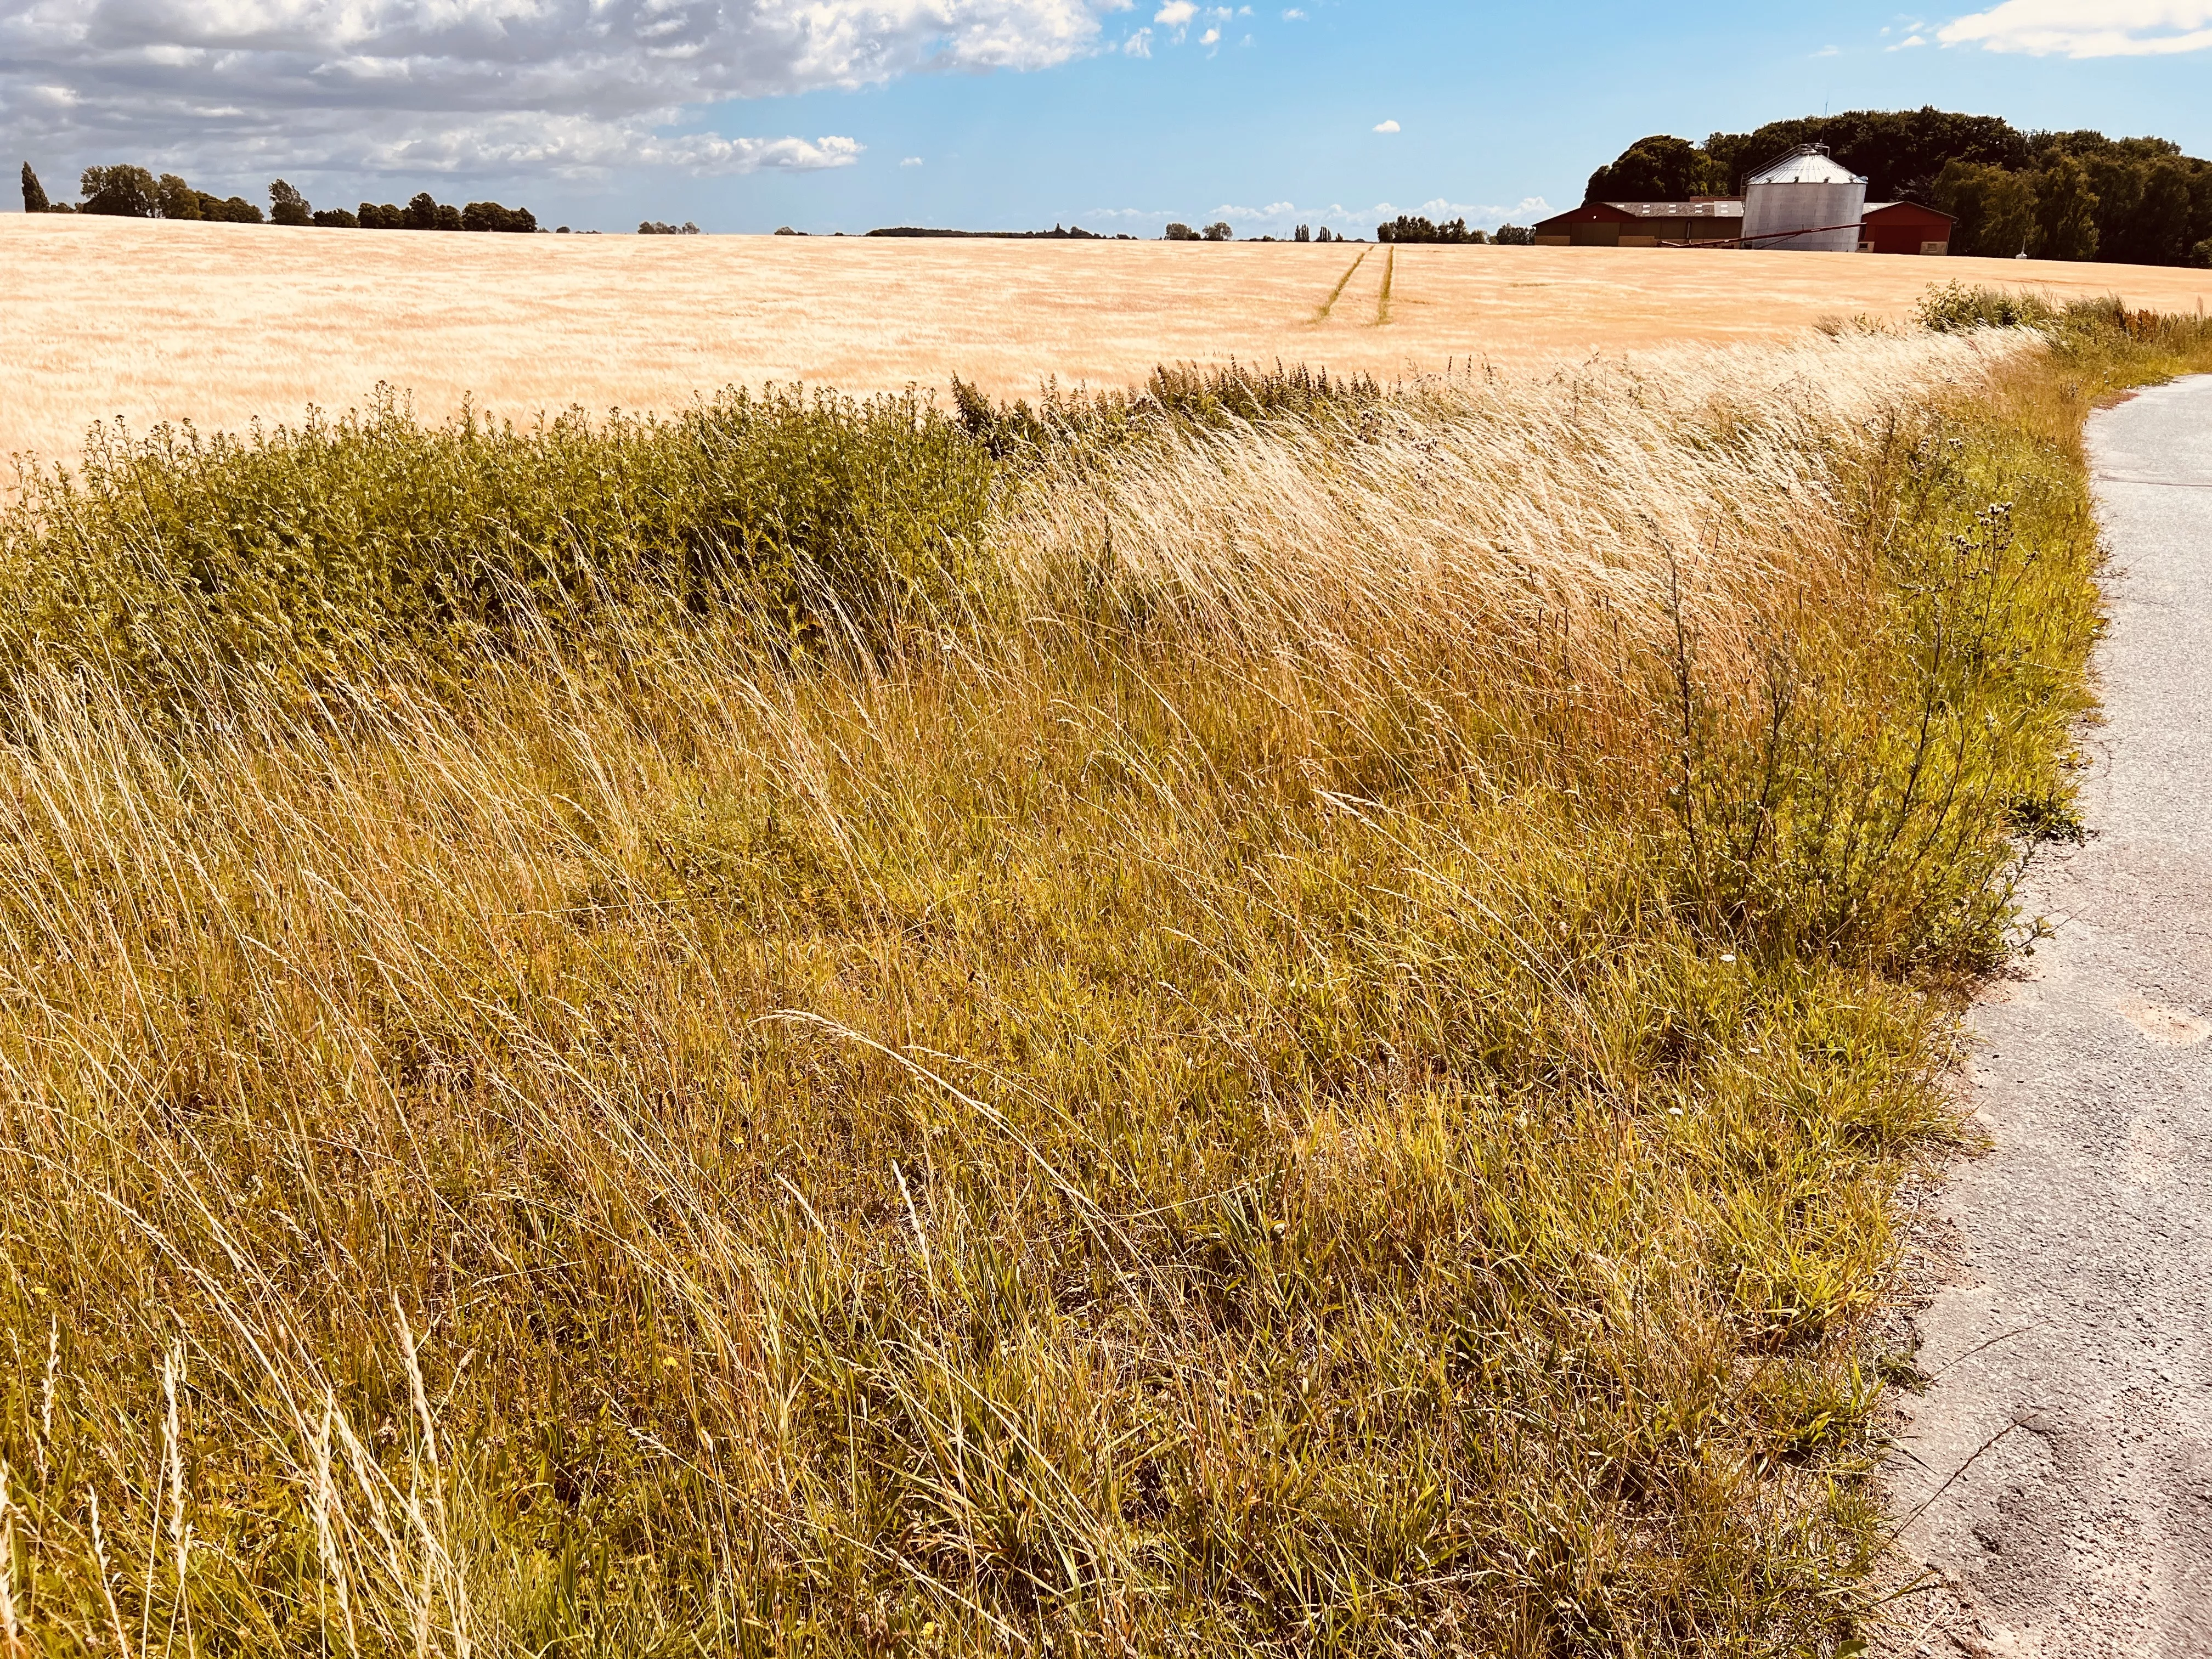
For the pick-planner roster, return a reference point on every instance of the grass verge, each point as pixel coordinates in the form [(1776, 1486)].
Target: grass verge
[(1256, 1020)]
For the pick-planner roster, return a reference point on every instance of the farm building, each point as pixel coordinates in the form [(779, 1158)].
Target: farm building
[(1884, 227), (1644, 224), (1804, 201), (1904, 227)]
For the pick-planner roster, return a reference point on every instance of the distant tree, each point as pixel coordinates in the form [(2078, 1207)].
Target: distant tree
[(227, 209), (178, 199), (1995, 210), (384, 216), (660, 228), (1659, 168), (491, 216), (1899, 152), (421, 211), (447, 217), (2201, 255), (1515, 236), (1302, 235), (1179, 232), (1409, 228), (288, 207), (336, 219), (2164, 217), (121, 193), (34, 193), (1325, 234), (1219, 231), (2065, 212), (785, 230)]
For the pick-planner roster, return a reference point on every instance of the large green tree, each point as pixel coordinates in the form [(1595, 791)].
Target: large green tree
[(288, 207), (2065, 212), (1659, 168), (1995, 210), (122, 192)]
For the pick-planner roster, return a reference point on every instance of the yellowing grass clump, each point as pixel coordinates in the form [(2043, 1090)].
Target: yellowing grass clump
[(1308, 1057)]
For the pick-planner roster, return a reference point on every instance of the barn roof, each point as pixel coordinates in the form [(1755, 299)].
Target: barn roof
[(1808, 164), (1700, 207)]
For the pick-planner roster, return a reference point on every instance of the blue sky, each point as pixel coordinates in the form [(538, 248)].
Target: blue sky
[(845, 114)]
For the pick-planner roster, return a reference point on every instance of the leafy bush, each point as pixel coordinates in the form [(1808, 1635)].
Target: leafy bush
[(300, 551), (337, 218), (34, 193), (178, 199), (491, 216), (228, 209), (1219, 231), (1179, 232), (1954, 307), (1515, 236), (659, 227)]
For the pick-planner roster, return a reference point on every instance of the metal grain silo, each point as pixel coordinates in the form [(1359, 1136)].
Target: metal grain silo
[(1804, 201)]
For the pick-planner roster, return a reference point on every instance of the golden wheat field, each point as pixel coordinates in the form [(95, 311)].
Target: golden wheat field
[(224, 325)]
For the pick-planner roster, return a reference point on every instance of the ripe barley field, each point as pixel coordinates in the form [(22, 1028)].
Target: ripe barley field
[(224, 324), (1276, 1016)]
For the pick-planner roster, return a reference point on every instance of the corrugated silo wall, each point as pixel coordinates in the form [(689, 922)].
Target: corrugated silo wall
[(1770, 210)]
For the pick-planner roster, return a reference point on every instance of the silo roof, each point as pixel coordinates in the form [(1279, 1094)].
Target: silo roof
[(1804, 165)]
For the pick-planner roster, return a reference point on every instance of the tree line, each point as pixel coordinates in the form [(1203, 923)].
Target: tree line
[(2074, 195), (1413, 228), (133, 192)]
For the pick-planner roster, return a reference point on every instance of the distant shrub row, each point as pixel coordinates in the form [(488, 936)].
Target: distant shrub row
[(133, 192), (1405, 228)]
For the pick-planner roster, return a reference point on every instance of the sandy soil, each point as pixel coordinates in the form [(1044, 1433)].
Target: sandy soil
[(226, 323)]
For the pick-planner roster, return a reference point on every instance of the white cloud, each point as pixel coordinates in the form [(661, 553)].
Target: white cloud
[(1294, 16), (2086, 28), (1828, 51), (1176, 14), (911, 160), (1386, 126), (476, 85), (1211, 38)]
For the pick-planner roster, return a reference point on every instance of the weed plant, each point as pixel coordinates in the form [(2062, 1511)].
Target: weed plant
[(1300, 1044)]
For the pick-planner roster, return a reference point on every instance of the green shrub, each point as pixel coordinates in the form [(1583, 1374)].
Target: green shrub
[(490, 215), (34, 193), (1954, 307), (307, 551)]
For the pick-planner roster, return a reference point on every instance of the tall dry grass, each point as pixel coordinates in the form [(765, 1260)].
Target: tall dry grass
[(1312, 1062)]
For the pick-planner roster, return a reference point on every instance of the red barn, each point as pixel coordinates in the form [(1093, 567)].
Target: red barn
[(1903, 228)]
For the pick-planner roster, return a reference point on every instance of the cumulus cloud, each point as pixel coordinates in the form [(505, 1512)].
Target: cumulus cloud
[(1211, 38), (480, 84), (1386, 126), (910, 161), (2086, 28)]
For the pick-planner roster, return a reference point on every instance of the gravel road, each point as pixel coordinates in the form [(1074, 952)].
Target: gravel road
[(2073, 1353)]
